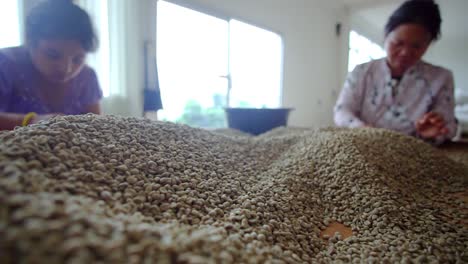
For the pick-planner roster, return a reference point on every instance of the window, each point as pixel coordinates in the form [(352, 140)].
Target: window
[(192, 56), (100, 60), (362, 50), (10, 21), (255, 66), (202, 57)]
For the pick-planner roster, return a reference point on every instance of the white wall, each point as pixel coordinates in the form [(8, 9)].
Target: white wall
[(313, 72), (452, 53), (367, 29)]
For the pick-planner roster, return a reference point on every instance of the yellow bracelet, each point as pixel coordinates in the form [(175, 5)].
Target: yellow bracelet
[(27, 118)]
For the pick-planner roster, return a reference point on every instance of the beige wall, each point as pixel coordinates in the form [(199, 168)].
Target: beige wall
[(452, 53)]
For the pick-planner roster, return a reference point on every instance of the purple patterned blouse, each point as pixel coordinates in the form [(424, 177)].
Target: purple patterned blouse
[(19, 93)]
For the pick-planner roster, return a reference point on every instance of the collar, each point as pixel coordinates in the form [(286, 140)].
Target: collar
[(412, 71)]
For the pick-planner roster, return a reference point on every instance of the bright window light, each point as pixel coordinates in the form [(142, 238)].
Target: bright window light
[(362, 50), (256, 58), (200, 56), (100, 60), (10, 23)]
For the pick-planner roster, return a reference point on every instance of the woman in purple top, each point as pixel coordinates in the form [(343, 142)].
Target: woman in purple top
[(48, 76), (401, 92)]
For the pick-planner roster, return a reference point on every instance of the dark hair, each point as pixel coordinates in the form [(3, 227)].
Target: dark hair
[(61, 19), (422, 12)]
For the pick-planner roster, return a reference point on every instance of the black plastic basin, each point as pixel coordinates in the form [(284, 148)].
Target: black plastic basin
[(257, 120)]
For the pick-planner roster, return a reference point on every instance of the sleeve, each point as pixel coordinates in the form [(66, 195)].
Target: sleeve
[(92, 92), (444, 105), (6, 85), (348, 104)]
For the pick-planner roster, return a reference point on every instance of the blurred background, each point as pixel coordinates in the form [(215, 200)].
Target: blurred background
[(205, 55)]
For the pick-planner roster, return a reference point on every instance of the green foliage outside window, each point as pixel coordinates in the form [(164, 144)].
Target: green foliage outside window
[(197, 116)]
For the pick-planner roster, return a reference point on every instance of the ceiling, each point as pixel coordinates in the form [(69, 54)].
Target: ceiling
[(357, 3), (376, 12)]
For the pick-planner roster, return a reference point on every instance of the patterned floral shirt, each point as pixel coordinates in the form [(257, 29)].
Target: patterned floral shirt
[(371, 97)]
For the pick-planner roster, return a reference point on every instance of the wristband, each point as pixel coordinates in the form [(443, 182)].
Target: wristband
[(27, 118)]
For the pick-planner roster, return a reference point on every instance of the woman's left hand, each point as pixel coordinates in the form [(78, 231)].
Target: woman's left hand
[(431, 126)]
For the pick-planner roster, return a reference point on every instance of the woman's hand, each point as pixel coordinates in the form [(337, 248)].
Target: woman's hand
[(431, 126)]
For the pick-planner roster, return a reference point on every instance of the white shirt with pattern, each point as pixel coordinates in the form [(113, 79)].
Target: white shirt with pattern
[(371, 97)]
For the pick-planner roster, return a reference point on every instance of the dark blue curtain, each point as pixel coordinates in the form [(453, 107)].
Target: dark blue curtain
[(152, 93)]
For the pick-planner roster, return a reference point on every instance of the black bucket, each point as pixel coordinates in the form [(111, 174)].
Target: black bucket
[(257, 120)]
